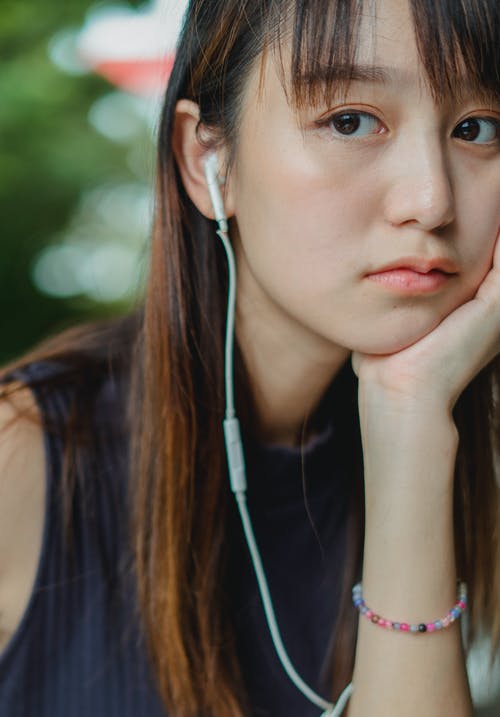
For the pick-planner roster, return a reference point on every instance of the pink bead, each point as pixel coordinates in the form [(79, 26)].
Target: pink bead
[(369, 614), (389, 625), (462, 604), (430, 627), (381, 622), (405, 627)]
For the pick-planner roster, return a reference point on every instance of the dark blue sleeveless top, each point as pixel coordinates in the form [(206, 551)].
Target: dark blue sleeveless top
[(77, 651)]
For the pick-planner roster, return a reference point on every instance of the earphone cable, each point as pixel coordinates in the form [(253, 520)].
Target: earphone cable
[(237, 475)]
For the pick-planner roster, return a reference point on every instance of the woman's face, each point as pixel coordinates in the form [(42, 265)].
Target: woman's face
[(380, 177)]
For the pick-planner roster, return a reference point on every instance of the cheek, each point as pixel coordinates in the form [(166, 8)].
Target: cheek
[(296, 212)]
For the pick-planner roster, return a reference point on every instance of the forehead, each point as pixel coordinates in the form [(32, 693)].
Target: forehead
[(385, 29), (384, 50), (389, 41)]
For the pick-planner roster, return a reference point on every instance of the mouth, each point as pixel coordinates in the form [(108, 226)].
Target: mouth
[(410, 281), (415, 275)]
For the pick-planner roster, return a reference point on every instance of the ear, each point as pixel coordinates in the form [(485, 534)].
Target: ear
[(190, 155)]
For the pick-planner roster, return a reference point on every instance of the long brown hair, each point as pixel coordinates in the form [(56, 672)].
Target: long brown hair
[(171, 351)]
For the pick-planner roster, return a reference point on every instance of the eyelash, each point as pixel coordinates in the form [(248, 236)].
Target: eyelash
[(494, 123), (328, 122)]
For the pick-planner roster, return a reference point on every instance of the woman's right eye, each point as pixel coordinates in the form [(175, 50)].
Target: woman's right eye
[(354, 124)]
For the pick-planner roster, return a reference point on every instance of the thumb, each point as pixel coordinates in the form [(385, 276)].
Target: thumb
[(356, 362)]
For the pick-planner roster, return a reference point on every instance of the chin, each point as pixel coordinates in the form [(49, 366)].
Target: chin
[(392, 340)]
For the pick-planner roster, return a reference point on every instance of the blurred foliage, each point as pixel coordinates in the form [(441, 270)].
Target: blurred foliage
[(49, 155)]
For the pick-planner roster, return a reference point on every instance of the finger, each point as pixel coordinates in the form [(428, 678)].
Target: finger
[(489, 290), (496, 255), (355, 362), (473, 331)]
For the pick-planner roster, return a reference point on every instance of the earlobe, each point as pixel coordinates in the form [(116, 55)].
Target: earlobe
[(190, 155)]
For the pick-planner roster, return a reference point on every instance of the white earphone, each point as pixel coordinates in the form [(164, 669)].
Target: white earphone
[(213, 184), (236, 458)]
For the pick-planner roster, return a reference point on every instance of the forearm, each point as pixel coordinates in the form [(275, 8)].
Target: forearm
[(409, 575)]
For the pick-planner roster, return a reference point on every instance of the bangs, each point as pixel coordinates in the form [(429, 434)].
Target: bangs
[(459, 40), (458, 43)]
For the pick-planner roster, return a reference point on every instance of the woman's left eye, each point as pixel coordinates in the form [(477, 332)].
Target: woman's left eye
[(353, 124), (480, 130)]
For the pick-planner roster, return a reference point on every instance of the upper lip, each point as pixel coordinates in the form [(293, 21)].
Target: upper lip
[(420, 265)]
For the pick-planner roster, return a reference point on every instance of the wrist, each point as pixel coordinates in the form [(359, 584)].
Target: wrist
[(409, 544), (406, 402), (407, 455)]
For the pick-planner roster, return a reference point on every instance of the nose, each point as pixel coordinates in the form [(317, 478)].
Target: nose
[(421, 192)]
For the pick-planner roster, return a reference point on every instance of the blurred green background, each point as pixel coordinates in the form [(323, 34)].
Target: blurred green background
[(76, 167)]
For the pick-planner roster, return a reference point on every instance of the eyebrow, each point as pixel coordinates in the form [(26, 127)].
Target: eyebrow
[(328, 75), (325, 74)]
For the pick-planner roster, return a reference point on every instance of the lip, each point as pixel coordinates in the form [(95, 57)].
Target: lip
[(414, 275), (407, 281), (420, 265)]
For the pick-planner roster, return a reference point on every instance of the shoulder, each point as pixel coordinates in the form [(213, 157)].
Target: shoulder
[(81, 375), (52, 414), (22, 491), (62, 407)]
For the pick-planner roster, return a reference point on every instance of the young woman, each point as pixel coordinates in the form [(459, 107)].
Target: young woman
[(354, 148)]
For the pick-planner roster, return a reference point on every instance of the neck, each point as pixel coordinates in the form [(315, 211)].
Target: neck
[(289, 372)]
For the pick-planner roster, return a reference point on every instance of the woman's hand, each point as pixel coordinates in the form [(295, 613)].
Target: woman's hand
[(436, 369), (406, 398)]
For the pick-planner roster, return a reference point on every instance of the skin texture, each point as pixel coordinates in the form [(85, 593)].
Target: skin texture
[(22, 493), (313, 213)]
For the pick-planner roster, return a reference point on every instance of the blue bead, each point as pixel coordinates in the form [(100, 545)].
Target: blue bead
[(396, 625), (413, 628), (455, 612), (358, 601), (364, 609), (438, 624)]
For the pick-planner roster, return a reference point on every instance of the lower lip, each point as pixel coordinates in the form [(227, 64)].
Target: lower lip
[(409, 281)]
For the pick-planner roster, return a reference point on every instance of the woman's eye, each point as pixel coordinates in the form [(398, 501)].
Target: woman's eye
[(479, 130), (358, 124)]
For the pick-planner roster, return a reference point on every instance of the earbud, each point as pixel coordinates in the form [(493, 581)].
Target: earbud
[(213, 183)]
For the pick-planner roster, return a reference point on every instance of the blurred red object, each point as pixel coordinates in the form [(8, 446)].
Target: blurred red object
[(142, 77), (133, 49)]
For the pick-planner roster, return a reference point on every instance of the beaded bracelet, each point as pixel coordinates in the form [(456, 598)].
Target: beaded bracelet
[(452, 615)]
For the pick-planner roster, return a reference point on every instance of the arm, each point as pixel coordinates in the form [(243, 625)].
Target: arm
[(409, 573), (22, 500)]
